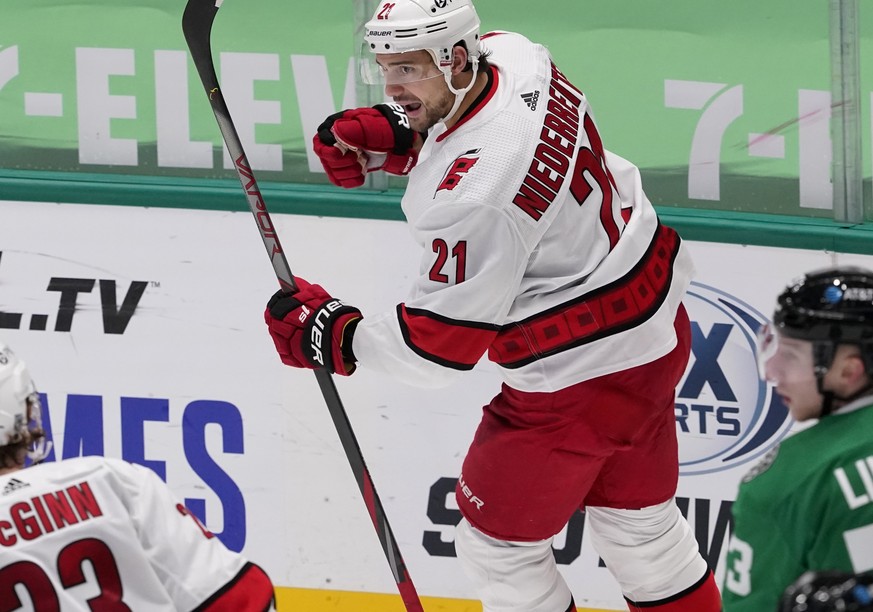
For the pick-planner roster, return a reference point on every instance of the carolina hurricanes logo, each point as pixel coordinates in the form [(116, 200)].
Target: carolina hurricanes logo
[(459, 168)]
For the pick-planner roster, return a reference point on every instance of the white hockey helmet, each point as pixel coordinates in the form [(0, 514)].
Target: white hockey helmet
[(20, 414), (435, 26)]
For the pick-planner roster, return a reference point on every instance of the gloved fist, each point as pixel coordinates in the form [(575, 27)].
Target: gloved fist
[(343, 166), (310, 328), (353, 142)]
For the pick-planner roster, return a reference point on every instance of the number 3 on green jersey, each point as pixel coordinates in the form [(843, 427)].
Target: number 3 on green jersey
[(739, 568)]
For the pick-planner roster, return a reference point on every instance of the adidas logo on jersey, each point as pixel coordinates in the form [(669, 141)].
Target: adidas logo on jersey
[(531, 99), (13, 485)]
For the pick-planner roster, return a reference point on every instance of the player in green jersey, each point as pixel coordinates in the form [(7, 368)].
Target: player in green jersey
[(808, 505)]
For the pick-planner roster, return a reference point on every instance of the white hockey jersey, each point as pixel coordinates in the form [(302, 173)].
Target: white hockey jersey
[(540, 247), (95, 533)]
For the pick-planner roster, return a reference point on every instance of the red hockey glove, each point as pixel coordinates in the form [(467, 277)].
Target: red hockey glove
[(343, 166), (381, 133), (310, 329)]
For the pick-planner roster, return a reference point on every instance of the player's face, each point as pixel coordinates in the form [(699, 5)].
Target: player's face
[(413, 81), (788, 364)]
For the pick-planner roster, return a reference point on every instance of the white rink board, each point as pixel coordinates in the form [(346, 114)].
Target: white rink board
[(193, 386)]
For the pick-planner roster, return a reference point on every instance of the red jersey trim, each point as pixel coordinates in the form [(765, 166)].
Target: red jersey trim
[(495, 76), (619, 306), (448, 342), (249, 591), (491, 34)]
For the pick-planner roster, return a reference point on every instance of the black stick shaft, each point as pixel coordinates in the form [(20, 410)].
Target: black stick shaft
[(197, 26)]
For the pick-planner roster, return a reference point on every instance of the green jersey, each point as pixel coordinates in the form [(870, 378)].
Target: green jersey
[(808, 505)]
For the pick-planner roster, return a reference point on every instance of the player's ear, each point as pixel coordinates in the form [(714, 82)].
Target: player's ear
[(852, 371), (460, 57)]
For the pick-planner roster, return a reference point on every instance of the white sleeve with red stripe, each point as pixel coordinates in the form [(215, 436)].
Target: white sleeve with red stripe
[(528, 226), (446, 326), (196, 569)]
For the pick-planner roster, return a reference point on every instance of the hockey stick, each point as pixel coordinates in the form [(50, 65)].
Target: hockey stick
[(197, 26)]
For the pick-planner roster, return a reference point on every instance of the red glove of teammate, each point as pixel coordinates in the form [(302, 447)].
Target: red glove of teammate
[(382, 133), (310, 329)]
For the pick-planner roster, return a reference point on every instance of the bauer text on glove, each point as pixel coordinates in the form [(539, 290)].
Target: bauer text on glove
[(359, 140), (311, 329)]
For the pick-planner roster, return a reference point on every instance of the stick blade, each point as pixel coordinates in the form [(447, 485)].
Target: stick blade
[(197, 27)]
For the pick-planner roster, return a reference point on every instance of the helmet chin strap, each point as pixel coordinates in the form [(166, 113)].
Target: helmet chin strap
[(828, 396), (823, 358), (459, 93), (827, 402)]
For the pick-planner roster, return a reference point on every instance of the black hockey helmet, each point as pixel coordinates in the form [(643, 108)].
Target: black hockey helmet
[(829, 307)]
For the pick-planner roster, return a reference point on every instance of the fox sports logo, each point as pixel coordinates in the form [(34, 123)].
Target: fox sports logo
[(725, 414)]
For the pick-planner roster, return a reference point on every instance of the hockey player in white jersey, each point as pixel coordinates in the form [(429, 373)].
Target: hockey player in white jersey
[(97, 534), (541, 250)]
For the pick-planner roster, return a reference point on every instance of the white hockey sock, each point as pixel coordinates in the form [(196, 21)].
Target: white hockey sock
[(511, 576), (651, 552)]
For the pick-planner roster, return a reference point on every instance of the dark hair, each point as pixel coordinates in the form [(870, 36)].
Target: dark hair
[(12, 455), (483, 60), (483, 57)]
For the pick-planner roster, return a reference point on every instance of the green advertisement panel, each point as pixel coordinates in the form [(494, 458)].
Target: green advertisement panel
[(723, 106)]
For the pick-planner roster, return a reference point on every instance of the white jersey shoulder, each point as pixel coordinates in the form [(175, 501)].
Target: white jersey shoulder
[(539, 246), (488, 149), (122, 520)]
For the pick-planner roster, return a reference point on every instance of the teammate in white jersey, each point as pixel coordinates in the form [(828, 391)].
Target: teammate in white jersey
[(541, 249), (97, 534)]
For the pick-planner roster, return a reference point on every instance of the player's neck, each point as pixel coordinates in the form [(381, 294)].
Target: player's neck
[(469, 98)]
